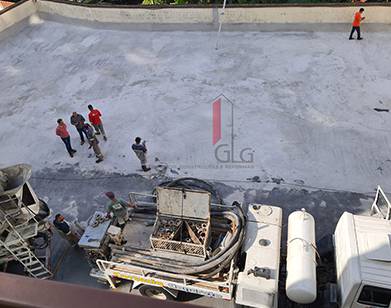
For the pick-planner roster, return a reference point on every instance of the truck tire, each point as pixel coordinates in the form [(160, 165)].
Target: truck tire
[(155, 292)]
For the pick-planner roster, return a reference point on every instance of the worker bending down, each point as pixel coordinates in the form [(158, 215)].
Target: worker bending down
[(118, 208)]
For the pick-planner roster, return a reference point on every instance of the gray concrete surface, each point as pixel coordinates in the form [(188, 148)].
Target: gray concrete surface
[(296, 106)]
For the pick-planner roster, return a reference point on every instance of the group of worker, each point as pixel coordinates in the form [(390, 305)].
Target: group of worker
[(117, 209), (86, 130)]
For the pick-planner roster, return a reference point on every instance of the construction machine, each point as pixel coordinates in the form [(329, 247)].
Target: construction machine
[(183, 240), (24, 231)]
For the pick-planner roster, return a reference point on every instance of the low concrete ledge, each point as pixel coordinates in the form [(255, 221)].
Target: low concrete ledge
[(128, 15), (16, 13), (195, 18), (304, 15), (242, 15)]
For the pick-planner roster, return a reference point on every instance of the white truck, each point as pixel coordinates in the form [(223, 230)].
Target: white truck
[(172, 268), (363, 256)]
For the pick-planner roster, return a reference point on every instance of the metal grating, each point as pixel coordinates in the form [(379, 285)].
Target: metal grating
[(184, 236)]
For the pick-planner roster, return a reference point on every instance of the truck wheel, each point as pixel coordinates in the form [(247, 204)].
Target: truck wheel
[(155, 292)]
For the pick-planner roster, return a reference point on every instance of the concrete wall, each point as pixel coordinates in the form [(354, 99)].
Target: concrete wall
[(128, 15), (235, 18), (234, 15), (16, 14), (304, 15)]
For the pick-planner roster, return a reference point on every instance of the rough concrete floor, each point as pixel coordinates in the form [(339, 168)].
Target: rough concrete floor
[(304, 101)]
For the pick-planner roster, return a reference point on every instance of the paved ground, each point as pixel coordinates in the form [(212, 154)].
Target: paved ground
[(303, 101)]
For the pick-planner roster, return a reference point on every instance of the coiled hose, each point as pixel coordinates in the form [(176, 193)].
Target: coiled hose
[(221, 260)]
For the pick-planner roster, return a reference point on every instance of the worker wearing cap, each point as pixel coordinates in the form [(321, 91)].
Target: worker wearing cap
[(356, 24), (118, 208)]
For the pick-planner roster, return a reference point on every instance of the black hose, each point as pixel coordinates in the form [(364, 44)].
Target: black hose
[(215, 264), (234, 217)]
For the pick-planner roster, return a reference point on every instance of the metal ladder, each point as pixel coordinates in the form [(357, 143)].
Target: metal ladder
[(22, 253)]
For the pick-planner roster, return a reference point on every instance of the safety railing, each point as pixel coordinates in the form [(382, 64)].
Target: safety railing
[(219, 288), (381, 206)]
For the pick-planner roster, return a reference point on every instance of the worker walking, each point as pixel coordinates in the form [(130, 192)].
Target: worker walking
[(96, 121), (356, 24), (78, 120), (62, 132), (93, 141), (118, 208), (140, 150)]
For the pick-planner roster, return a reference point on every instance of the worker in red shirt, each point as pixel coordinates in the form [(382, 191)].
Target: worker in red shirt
[(96, 121), (62, 132), (356, 24)]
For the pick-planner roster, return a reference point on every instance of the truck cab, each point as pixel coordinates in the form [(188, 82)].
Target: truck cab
[(363, 257)]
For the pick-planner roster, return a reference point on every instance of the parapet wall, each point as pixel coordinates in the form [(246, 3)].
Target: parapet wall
[(305, 15), (208, 15), (127, 15), (14, 14), (284, 17)]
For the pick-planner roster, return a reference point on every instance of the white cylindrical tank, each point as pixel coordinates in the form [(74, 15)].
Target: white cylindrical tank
[(301, 259)]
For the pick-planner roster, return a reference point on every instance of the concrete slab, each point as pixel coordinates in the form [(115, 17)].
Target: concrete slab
[(304, 101)]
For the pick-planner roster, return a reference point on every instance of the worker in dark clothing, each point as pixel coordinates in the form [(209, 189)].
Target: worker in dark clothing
[(356, 24), (60, 223), (140, 150), (78, 120)]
